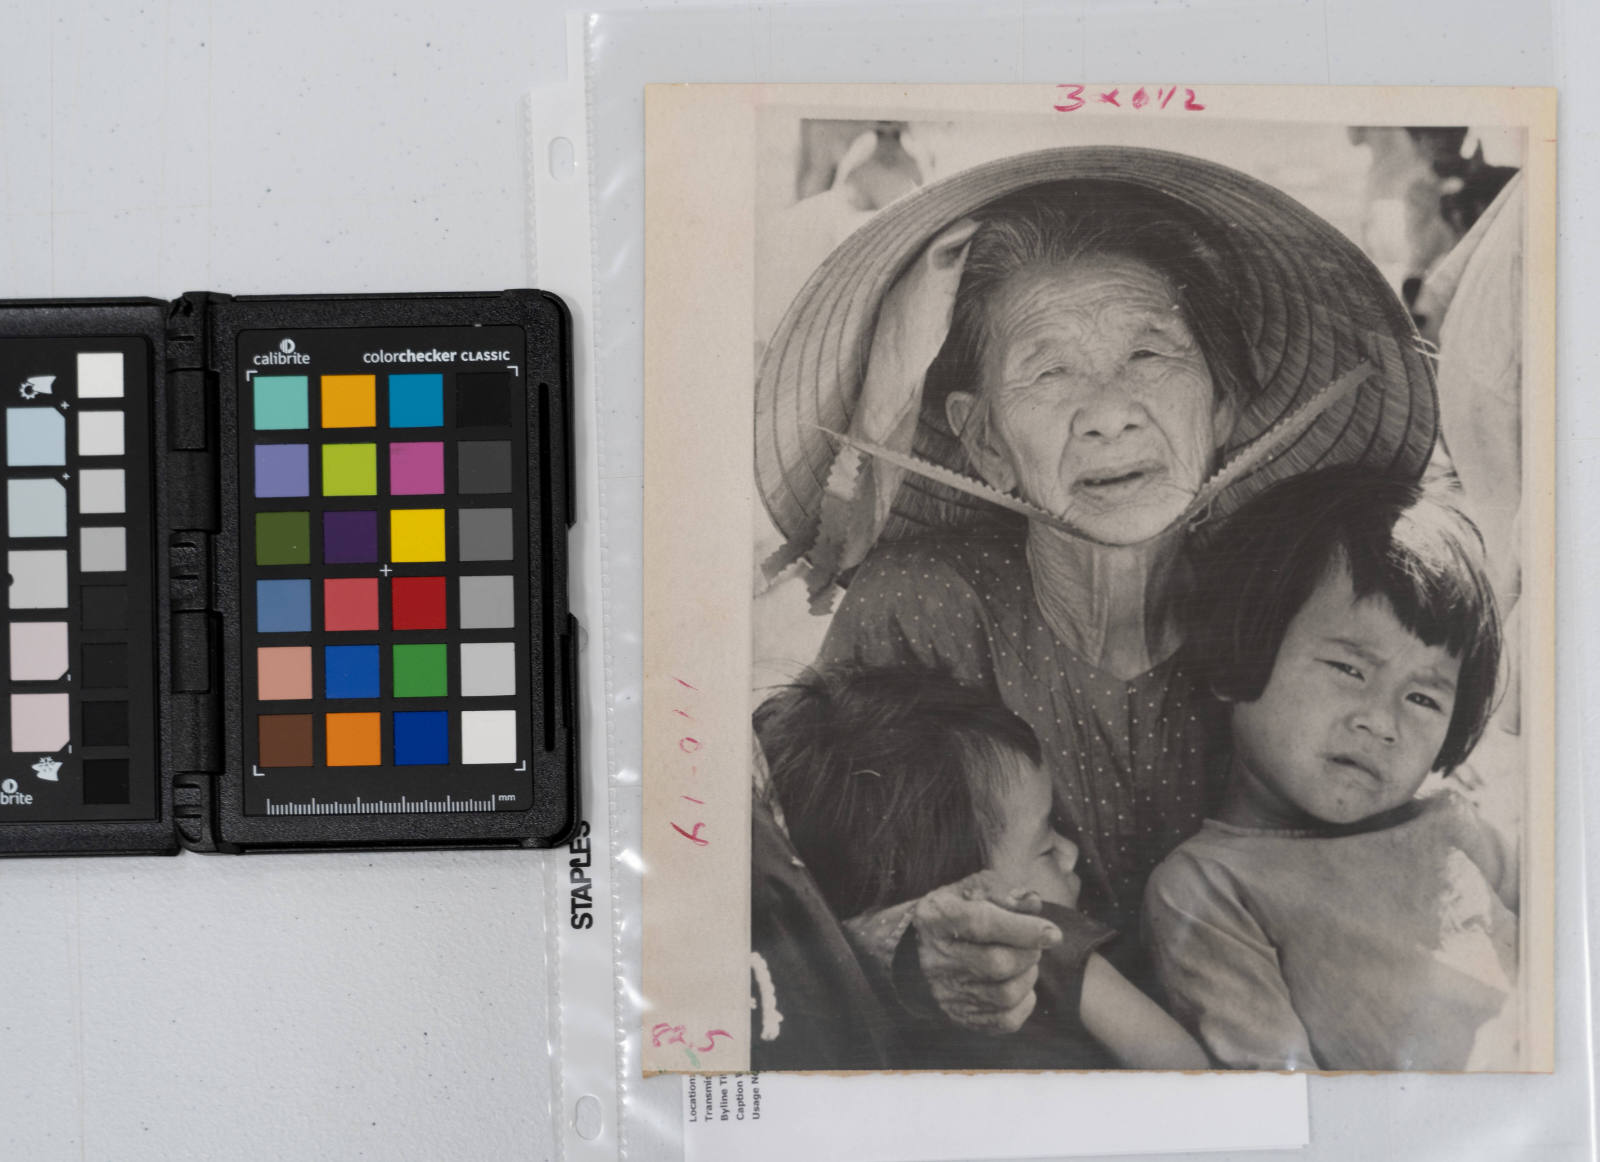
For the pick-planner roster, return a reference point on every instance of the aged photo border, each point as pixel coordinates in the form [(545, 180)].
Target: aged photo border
[(700, 505)]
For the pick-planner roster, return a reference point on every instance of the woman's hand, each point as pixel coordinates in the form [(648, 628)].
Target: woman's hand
[(978, 942), (913, 323)]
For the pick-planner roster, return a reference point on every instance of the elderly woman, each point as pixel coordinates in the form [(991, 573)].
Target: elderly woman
[(995, 415)]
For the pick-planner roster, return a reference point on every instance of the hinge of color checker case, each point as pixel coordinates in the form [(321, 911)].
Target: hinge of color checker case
[(188, 481)]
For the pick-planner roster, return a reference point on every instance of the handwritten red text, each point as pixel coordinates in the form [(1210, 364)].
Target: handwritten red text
[(665, 1034), (689, 745), (1071, 98)]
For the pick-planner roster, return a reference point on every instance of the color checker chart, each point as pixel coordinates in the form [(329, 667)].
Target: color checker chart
[(384, 540), (79, 737), (287, 572)]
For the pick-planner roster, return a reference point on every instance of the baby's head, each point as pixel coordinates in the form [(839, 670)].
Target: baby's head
[(895, 782), (1348, 619)]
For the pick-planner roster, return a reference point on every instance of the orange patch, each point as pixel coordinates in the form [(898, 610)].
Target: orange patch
[(355, 740), (349, 401)]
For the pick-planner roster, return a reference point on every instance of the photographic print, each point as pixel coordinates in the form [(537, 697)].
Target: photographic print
[(1097, 586)]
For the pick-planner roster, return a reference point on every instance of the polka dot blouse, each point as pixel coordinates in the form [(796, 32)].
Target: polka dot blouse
[(1128, 757)]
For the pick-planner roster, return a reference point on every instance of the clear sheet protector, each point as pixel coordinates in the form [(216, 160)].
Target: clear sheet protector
[(582, 978), (1399, 1115)]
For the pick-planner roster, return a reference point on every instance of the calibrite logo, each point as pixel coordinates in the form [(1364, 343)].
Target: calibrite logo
[(285, 354), (11, 797)]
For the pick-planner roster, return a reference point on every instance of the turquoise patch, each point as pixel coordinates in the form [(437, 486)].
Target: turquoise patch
[(281, 402)]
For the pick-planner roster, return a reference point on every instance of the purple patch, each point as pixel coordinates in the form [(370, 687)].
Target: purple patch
[(416, 469), (349, 537), (281, 470)]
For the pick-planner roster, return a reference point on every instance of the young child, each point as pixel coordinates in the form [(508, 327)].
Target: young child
[(1327, 918), (893, 783)]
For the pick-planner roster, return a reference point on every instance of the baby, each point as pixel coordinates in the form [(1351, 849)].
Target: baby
[(894, 783), (1327, 918)]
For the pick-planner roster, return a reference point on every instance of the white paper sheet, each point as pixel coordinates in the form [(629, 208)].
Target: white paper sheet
[(930, 1118)]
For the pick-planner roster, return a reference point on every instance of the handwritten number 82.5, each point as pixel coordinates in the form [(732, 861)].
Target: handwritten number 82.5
[(665, 1034)]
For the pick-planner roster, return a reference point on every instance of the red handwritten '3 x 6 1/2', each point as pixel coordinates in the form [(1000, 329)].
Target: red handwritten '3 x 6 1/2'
[(1076, 97)]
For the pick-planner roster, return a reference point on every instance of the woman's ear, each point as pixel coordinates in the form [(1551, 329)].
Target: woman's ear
[(961, 410)]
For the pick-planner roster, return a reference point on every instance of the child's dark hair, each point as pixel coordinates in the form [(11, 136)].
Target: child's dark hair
[(886, 778), (1396, 538)]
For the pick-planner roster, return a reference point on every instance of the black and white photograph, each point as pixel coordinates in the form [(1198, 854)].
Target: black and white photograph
[(1148, 646)]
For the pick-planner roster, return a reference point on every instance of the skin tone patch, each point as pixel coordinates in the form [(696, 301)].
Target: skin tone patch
[(283, 673), (285, 740)]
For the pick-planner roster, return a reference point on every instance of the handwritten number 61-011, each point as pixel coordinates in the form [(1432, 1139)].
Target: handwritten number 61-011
[(689, 745), (1075, 97), (665, 1033)]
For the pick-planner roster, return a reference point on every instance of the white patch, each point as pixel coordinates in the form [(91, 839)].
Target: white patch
[(767, 991)]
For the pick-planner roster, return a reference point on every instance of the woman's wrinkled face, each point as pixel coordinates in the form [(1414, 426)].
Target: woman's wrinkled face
[(1101, 408)]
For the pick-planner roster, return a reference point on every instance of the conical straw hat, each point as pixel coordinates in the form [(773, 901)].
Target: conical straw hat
[(1313, 307)]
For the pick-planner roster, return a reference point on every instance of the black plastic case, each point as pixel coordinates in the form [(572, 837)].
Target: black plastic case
[(198, 546)]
